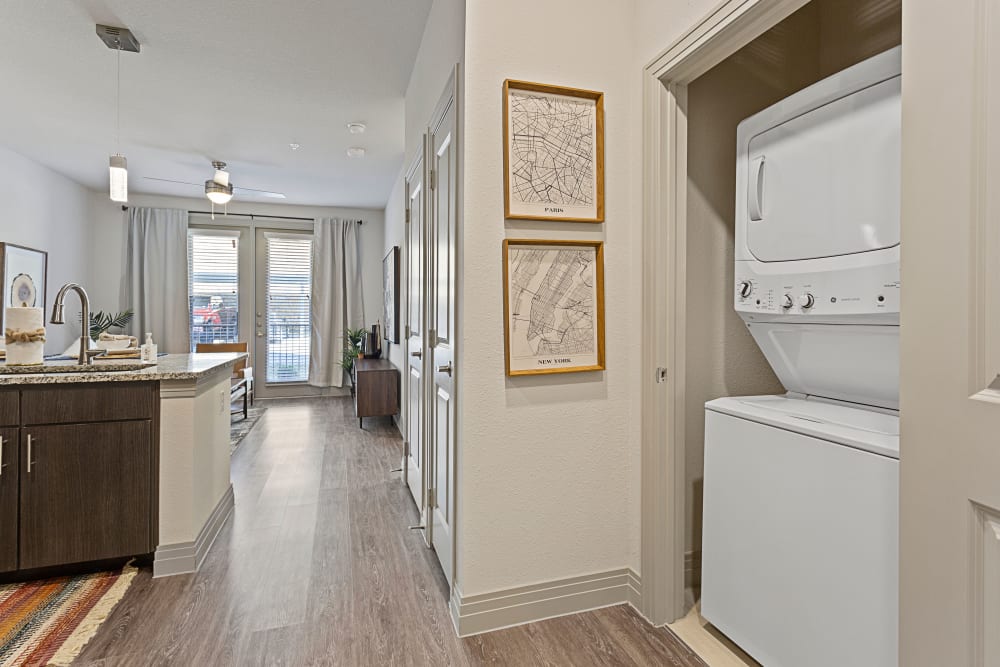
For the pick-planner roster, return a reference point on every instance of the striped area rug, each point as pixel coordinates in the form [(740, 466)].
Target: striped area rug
[(48, 622)]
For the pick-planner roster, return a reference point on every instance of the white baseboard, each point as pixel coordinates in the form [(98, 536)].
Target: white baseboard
[(187, 557), (476, 614)]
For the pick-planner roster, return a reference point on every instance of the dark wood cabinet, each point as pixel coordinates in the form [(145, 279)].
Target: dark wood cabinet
[(80, 480), (86, 493), (376, 389), (8, 498)]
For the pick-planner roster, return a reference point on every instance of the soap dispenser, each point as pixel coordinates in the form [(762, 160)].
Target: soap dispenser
[(148, 350)]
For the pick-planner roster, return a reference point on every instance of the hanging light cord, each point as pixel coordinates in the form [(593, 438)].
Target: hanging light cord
[(118, 102)]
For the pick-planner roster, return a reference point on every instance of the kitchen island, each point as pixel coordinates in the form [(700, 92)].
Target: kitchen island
[(113, 460)]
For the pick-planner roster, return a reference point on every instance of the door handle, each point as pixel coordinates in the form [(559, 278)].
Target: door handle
[(417, 354), (445, 369), (30, 442), (756, 187)]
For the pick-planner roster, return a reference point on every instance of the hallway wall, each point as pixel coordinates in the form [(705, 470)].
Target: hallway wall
[(548, 473), (442, 47)]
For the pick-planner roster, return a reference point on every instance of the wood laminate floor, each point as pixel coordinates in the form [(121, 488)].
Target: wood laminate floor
[(316, 567)]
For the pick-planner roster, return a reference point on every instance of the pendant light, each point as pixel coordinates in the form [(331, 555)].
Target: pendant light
[(118, 166), (118, 39)]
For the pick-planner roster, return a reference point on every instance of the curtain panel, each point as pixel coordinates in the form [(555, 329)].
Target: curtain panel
[(337, 297), (154, 285)]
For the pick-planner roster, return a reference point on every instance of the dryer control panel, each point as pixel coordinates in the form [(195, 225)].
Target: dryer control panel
[(868, 291)]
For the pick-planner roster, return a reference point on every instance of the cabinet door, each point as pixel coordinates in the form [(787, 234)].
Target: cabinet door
[(8, 499), (85, 492)]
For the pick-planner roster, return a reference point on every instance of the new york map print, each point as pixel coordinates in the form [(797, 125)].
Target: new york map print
[(552, 153), (553, 307)]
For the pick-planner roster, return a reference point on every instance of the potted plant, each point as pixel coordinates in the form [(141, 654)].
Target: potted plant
[(352, 351)]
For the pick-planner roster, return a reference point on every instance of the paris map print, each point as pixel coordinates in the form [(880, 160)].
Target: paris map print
[(552, 308), (553, 155)]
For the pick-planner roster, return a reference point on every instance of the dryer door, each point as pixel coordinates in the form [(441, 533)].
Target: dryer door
[(826, 183)]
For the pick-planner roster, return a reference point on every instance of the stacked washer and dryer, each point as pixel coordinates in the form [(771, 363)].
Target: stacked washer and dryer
[(800, 535)]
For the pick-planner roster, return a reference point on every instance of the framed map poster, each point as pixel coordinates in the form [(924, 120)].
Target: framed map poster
[(553, 153), (390, 295), (553, 294)]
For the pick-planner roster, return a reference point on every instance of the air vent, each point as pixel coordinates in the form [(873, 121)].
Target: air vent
[(116, 38)]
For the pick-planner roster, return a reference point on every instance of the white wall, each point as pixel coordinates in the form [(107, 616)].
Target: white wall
[(107, 245), (42, 209), (548, 478), (442, 47)]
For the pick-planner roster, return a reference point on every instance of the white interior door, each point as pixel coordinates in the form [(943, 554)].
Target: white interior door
[(950, 335), (413, 466), (442, 263)]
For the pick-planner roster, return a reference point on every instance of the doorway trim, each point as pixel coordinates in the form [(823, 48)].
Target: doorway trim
[(726, 29)]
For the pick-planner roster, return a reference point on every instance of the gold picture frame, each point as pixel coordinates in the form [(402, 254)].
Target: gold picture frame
[(553, 153), (564, 331)]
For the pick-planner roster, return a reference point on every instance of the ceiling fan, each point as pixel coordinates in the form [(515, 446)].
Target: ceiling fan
[(219, 189)]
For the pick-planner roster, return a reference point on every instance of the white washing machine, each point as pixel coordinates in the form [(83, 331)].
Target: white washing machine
[(800, 545)]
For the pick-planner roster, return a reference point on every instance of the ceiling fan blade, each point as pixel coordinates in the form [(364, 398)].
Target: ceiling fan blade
[(169, 180), (259, 193)]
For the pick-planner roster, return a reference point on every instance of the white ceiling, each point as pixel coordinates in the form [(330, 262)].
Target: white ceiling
[(232, 80)]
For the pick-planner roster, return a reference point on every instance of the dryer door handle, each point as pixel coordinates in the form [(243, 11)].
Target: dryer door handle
[(756, 188)]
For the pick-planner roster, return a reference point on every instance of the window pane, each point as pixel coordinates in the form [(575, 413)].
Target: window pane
[(213, 288), (289, 281)]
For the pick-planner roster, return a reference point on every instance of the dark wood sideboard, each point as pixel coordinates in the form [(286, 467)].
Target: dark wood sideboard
[(376, 389)]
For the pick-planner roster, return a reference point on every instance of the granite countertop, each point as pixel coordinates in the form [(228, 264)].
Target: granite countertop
[(169, 367)]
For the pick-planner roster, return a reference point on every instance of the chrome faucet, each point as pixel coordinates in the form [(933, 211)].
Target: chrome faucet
[(57, 318)]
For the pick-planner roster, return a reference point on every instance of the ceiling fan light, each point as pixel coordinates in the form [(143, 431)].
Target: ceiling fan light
[(118, 172), (218, 193)]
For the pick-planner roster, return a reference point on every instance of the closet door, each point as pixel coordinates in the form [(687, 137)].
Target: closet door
[(443, 144), (414, 375)]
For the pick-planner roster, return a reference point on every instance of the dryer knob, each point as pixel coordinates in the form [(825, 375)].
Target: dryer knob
[(786, 301), (745, 289), (806, 300)]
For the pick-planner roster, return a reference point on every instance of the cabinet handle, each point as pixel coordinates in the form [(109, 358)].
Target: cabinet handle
[(2, 464), (445, 369), (29, 453)]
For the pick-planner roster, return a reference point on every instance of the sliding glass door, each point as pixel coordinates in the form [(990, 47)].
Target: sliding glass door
[(283, 332), (254, 286)]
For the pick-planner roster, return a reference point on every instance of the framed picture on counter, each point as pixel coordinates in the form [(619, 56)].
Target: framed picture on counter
[(24, 272), (553, 306)]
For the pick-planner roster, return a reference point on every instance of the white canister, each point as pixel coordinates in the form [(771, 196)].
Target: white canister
[(24, 330)]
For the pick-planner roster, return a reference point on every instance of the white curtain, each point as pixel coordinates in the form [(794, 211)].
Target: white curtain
[(155, 282), (337, 297)]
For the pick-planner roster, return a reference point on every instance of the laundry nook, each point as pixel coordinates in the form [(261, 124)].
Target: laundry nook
[(436, 332), (801, 489)]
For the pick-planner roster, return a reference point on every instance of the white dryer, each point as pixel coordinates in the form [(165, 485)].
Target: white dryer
[(800, 555)]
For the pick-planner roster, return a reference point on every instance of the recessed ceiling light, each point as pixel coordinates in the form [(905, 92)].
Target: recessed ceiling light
[(355, 151), (356, 128), (294, 146)]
